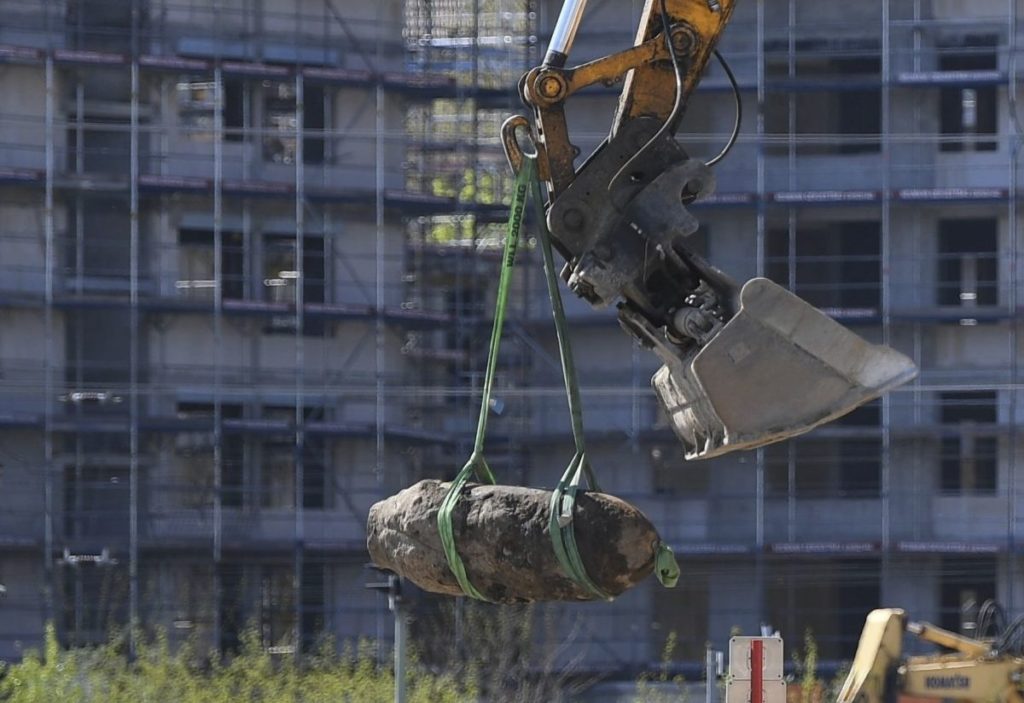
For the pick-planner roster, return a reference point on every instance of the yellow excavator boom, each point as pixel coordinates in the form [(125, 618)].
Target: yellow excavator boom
[(975, 672), (950, 640), (878, 655)]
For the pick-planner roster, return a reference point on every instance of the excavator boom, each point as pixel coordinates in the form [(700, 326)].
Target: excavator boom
[(878, 655), (977, 672), (733, 354)]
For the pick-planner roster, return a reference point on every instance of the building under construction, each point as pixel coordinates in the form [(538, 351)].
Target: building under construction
[(247, 255)]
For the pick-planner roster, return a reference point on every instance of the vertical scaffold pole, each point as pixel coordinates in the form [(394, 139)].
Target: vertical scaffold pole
[(48, 362), (1013, 302), (133, 364), (300, 355), (886, 292), (759, 264), (379, 332), (218, 331)]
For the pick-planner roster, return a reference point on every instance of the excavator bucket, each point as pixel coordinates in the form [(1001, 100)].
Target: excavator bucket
[(778, 368)]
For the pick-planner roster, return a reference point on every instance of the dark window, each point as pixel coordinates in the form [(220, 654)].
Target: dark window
[(964, 584), (314, 122), (94, 600), (234, 110), (833, 265), (105, 147), (97, 502), (196, 270), (848, 467), (232, 606), (828, 598), (196, 449), (314, 603), (277, 606), (867, 415), (316, 486), (968, 262), (841, 97), (860, 466), (103, 26), (969, 113), (280, 274), (829, 467), (278, 466), (673, 475), (102, 254), (859, 110), (95, 364), (279, 116), (197, 108), (859, 593), (464, 302), (969, 458)]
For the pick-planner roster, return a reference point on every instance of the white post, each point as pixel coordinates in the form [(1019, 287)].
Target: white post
[(400, 638), (710, 676)]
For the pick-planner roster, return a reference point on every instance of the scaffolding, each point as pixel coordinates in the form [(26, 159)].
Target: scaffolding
[(246, 259)]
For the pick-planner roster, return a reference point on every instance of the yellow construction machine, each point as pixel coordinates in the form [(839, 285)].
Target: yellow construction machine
[(979, 670), (744, 364)]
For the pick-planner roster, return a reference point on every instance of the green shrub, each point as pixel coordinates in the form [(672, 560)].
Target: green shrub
[(659, 687), (157, 674)]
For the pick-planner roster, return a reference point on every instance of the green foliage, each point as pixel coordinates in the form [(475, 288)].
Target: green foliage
[(832, 692), (159, 674), (508, 654), (806, 664), (659, 687), (809, 680)]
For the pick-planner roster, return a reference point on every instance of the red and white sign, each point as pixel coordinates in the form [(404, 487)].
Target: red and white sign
[(745, 692), (755, 669)]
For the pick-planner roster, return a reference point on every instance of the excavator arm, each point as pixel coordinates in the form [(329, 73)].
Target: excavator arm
[(649, 93), (878, 655), (732, 354), (974, 673)]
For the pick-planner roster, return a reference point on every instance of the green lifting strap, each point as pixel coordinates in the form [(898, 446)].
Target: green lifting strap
[(563, 499), (477, 464)]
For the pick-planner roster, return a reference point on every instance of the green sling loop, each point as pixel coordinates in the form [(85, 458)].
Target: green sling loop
[(477, 464), (563, 498)]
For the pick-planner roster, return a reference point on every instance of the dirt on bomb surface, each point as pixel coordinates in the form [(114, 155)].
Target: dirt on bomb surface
[(501, 533)]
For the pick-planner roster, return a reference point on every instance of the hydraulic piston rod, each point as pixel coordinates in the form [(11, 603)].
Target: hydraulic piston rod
[(564, 34)]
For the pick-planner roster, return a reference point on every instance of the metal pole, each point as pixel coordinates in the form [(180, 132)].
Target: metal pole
[(378, 321), (300, 355), (760, 250), (133, 396), (886, 254), (761, 176), (885, 577), (711, 678), (218, 308), (48, 363), (1013, 146), (400, 654)]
